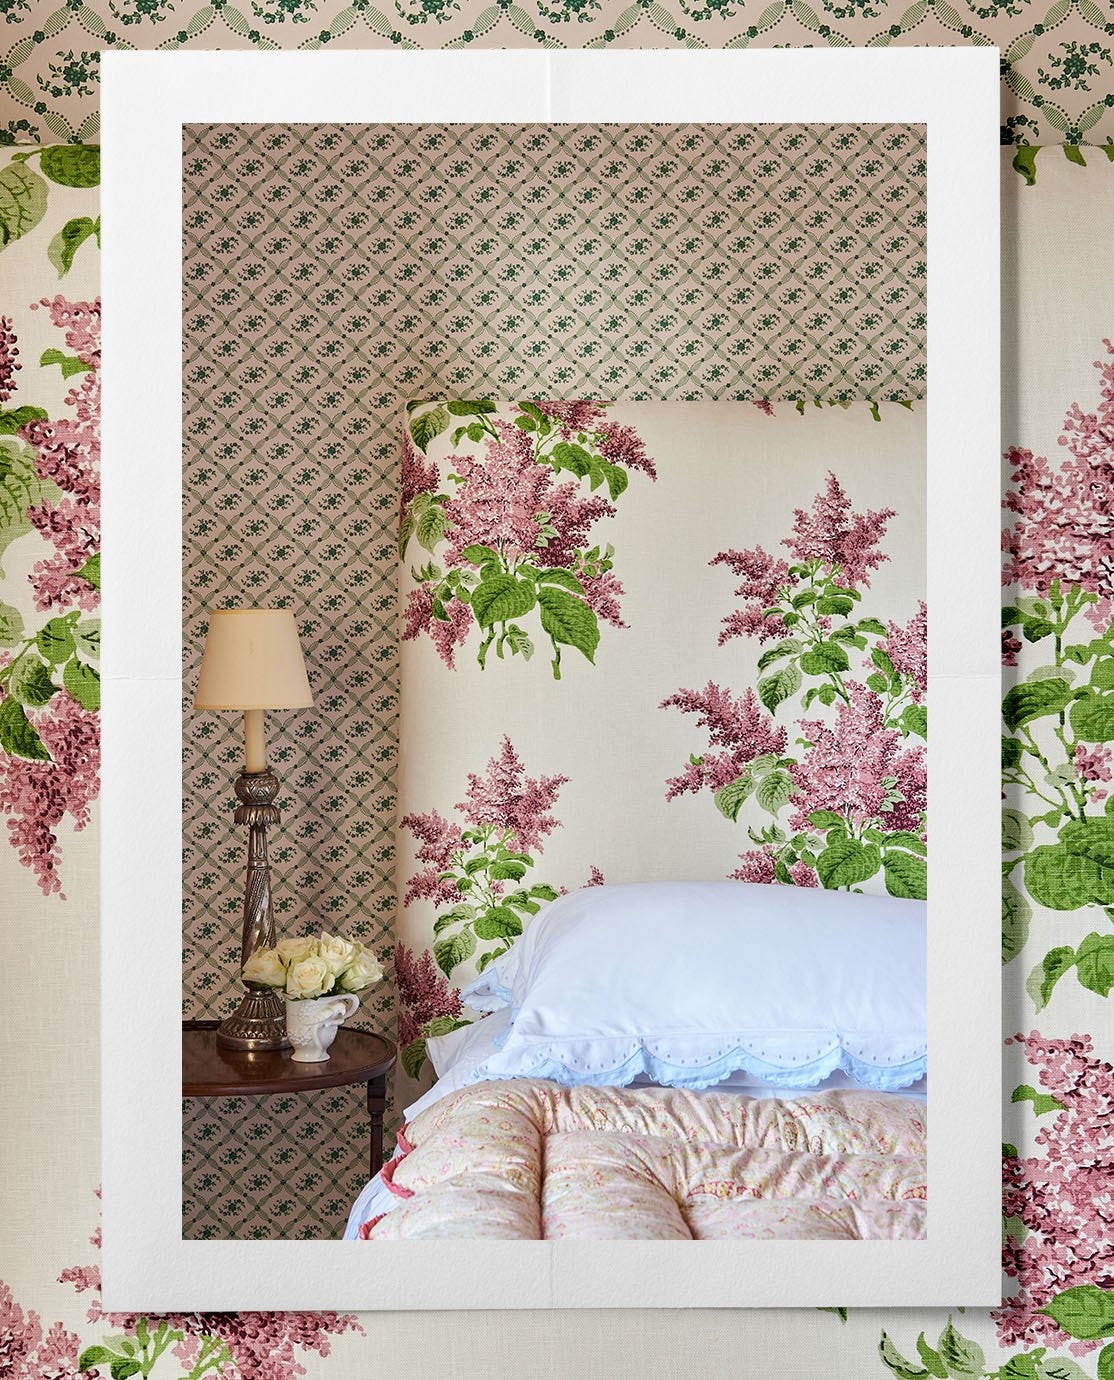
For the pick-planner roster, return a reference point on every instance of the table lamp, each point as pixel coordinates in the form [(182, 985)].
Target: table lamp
[(253, 662)]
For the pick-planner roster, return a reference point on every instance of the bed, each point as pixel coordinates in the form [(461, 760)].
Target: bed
[(764, 1079)]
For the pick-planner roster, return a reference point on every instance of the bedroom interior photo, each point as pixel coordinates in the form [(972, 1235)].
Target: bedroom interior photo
[(593, 735)]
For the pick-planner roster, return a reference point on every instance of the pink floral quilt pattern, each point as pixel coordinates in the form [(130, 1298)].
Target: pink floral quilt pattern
[(531, 1160)]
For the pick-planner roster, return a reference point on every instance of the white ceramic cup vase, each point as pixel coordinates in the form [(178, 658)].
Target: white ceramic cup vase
[(313, 1024)]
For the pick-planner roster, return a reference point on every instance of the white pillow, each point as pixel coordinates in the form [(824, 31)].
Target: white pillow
[(688, 982)]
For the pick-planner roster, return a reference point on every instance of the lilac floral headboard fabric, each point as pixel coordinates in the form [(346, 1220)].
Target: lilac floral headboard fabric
[(650, 640)]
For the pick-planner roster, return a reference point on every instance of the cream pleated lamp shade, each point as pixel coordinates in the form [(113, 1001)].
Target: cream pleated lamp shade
[(252, 660)]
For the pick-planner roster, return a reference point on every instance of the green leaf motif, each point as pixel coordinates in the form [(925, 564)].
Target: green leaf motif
[(1061, 879), (960, 1355), (476, 554), (20, 489), (94, 1356), (500, 597), (773, 689), (430, 526), (914, 720), (87, 637), (1011, 752), (90, 572), (846, 862), (565, 579), (10, 422), (573, 458), (1017, 914), (11, 626), (774, 790), (413, 1057), (827, 656), (1034, 700), (476, 408), (1085, 1312), (443, 1025), (893, 1359), (1017, 835), (906, 875), (825, 819), (72, 165), (55, 641), (22, 202), (570, 622), (1105, 1368), (729, 799), (1094, 838), (1094, 964), (498, 923), (30, 682), (450, 953), (1048, 973), (82, 684), (428, 425), (1092, 718), (1042, 1102), (70, 364), (933, 1361), (65, 244), (17, 736), (788, 646)]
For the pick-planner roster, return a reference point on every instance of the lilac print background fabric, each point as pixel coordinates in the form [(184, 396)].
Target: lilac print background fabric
[(1058, 1317), (568, 586)]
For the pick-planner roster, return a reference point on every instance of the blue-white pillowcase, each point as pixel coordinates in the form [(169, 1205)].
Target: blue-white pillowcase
[(688, 982)]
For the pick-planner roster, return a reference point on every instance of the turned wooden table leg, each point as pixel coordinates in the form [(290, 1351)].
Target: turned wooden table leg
[(376, 1102)]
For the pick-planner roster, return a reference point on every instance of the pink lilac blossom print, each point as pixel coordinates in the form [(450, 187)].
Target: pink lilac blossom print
[(238, 1346), (508, 528), (475, 873), (1058, 830), (49, 682), (848, 800)]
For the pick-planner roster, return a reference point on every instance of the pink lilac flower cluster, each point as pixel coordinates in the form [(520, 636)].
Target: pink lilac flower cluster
[(447, 634), (423, 992), (764, 580), (1093, 764), (67, 451), (505, 796), (845, 767), (1064, 1197), (832, 533), (760, 864), (9, 359), (36, 795), (907, 648), (738, 726), (498, 503), (418, 475), (1065, 516)]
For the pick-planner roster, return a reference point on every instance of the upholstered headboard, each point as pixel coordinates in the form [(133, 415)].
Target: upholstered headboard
[(651, 640)]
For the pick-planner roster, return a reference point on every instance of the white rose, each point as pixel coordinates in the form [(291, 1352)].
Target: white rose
[(309, 978), (295, 950), (265, 967), (361, 972), (338, 953)]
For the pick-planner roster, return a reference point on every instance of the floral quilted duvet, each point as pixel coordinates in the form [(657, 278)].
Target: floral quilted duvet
[(532, 1160)]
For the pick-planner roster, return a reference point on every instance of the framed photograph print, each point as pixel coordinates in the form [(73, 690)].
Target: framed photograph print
[(599, 660)]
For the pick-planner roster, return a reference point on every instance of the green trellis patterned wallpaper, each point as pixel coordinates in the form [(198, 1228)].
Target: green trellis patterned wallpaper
[(1057, 60), (330, 273)]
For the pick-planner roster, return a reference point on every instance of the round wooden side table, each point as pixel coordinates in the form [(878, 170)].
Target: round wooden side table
[(209, 1070)]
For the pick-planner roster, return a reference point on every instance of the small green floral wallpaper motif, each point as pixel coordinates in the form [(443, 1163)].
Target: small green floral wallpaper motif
[(1057, 60)]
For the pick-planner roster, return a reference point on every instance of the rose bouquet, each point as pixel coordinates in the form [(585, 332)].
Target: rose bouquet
[(314, 967)]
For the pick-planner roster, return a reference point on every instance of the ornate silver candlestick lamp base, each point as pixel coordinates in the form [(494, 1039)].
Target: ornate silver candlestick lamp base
[(259, 1022)]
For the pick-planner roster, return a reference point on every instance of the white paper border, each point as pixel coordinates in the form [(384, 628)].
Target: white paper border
[(147, 97)]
